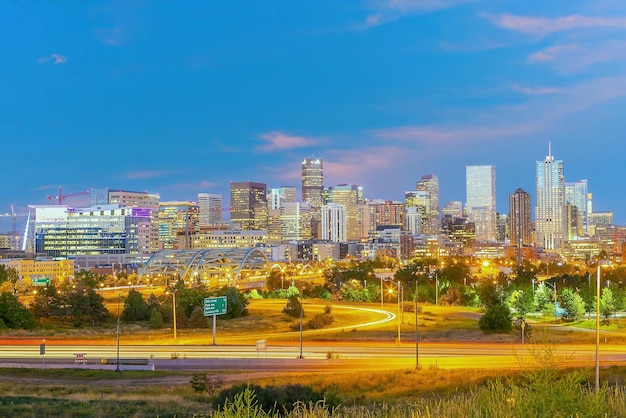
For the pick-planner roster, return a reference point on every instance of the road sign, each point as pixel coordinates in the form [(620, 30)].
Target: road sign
[(41, 281), (215, 306)]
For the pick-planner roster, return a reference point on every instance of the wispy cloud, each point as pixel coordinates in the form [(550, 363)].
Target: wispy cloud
[(535, 91), (110, 36), (572, 57), (144, 175), (542, 26), (277, 141), (54, 58), (356, 165), (542, 111), (450, 135), (385, 11)]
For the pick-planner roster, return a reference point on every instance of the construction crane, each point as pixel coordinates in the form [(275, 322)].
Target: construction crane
[(61, 197), (14, 234)]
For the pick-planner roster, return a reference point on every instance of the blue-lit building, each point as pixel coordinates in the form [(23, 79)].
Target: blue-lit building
[(65, 232)]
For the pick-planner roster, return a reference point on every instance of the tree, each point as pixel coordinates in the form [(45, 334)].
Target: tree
[(607, 303), (521, 302), (156, 320), (13, 314), (496, 318), (47, 303), (543, 296), (197, 318), (572, 304), (236, 303), (81, 304), (353, 291), (135, 308), (491, 294), (293, 307)]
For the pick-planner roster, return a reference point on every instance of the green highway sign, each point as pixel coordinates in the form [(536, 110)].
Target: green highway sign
[(215, 306), (41, 281)]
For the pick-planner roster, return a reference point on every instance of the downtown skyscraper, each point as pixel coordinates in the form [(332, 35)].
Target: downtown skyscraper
[(248, 205), (430, 183), (520, 226), (550, 210), (312, 190), (480, 182)]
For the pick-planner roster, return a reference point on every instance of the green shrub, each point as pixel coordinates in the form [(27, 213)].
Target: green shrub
[(293, 308), (496, 318), (270, 399), (156, 320), (320, 321)]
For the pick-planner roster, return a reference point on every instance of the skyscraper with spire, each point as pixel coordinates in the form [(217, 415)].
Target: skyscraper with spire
[(550, 210)]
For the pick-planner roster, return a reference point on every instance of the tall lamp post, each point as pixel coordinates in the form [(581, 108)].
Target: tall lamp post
[(174, 310), (417, 352), (117, 367), (301, 315), (601, 263)]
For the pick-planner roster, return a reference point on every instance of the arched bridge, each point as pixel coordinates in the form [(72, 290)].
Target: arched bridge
[(215, 267)]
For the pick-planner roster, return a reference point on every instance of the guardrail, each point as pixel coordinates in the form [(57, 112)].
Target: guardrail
[(127, 361)]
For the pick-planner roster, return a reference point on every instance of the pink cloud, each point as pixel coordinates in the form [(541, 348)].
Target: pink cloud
[(572, 57), (389, 10), (280, 141), (542, 26)]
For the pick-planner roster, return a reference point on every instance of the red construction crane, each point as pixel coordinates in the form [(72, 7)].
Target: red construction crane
[(61, 197)]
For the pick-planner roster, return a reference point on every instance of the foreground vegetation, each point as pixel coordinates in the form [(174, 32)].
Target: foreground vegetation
[(546, 391)]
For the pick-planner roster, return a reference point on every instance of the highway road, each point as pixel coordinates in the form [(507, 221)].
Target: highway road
[(316, 357)]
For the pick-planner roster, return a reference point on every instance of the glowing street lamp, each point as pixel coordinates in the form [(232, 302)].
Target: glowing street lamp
[(601, 263)]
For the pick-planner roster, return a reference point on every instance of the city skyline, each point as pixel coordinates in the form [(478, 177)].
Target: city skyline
[(184, 99)]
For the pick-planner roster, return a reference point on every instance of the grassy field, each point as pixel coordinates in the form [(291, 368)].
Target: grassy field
[(427, 392)]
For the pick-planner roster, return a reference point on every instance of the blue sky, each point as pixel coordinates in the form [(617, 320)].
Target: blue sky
[(178, 98)]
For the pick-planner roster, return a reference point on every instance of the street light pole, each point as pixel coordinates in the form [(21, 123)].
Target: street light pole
[(597, 382), (301, 314), (417, 352), (399, 285), (117, 367), (174, 310)]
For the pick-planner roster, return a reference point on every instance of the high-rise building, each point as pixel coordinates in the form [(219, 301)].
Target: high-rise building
[(277, 196), (480, 181), (454, 209), (248, 205), (312, 190), (349, 196), (430, 183), (210, 207), (178, 218), (295, 221), (383, 213), (576, 199), (125, 198), (550, 207), (62, 232), (334, 223), (417, 203), (520, 226)]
